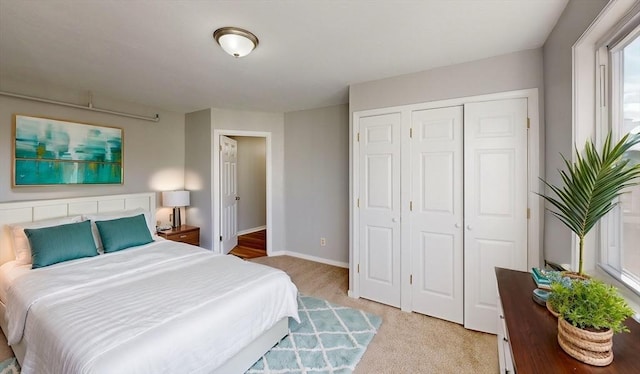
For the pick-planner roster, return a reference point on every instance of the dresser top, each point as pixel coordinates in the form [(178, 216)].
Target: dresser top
[(179, 230), (533, 333)]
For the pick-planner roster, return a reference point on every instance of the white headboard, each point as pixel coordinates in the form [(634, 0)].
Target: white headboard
[(29, 211)]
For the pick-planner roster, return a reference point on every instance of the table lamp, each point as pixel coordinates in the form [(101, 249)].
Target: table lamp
[(175, 199)]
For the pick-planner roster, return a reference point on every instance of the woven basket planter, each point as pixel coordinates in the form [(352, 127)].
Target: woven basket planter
[(593, 348), (575, 276), (551, 310)]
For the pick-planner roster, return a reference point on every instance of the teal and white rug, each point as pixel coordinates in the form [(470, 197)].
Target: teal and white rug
[(9, 366), (330, 339)]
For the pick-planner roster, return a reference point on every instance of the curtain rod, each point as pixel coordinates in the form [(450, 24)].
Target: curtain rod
[(88, 107)]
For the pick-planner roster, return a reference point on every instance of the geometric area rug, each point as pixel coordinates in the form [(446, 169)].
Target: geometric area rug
[(9, 366), (329, 339)]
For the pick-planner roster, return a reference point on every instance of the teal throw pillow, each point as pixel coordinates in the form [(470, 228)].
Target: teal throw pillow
[(123, 233), (51, 245)]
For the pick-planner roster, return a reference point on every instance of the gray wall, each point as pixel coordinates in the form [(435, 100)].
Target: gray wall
[(153, 152), (317, 182), (558, 108), (252, 187), (496, 74), (198, 173)]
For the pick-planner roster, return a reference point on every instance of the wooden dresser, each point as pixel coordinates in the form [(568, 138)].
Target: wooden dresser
[(186, 234), (528, 338)]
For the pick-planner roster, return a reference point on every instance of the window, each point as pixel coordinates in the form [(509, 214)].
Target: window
[(620, 233)]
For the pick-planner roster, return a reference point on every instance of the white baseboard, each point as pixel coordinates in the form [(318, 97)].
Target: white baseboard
[(249, 231), (310, 258)]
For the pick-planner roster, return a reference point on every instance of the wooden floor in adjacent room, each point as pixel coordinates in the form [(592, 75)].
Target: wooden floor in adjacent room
[(251, 245)]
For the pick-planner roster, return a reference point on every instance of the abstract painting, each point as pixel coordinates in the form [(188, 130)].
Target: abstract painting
[(56, 152)]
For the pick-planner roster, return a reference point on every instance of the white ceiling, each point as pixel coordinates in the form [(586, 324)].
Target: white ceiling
[(162, 54)]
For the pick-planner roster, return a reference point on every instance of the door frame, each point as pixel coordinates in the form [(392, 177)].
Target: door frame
[(535, 172), (215, 182)]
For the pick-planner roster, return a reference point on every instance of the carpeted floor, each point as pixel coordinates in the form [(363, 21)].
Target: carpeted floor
[(406, 342)]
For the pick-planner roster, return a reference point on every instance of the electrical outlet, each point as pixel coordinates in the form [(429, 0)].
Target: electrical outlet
[(323, 242)]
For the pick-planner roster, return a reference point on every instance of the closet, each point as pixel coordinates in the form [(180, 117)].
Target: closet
[(441, 199)]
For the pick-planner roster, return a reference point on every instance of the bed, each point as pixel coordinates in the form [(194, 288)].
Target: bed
[(158, 307)]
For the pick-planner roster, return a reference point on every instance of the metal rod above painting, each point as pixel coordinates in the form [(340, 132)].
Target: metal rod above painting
[(90, 107)]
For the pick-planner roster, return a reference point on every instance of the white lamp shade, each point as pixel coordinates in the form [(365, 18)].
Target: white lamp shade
[(236, 45), (175, 198)]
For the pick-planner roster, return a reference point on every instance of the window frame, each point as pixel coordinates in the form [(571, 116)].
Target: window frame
[(609, 111)]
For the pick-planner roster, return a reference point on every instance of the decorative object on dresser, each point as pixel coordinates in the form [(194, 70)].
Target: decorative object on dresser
[(541, 279), (56, 152), (528, 334), (176, 200), (589, 313), (592, 184), (185, 234)]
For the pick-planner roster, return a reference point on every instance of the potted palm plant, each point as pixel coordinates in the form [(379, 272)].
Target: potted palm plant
[(592, 185), (590, 311)]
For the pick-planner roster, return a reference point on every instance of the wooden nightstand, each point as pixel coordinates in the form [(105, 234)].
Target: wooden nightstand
[(186, 234)]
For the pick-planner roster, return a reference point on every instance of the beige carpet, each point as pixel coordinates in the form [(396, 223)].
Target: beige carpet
[(406, 342)]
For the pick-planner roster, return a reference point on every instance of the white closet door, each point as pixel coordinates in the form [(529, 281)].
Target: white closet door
[(379, 191), (495, 202), (229, 193), (436, 216)]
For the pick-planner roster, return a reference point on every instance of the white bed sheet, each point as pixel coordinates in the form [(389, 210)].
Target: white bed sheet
[(163, 307), (8, 273)]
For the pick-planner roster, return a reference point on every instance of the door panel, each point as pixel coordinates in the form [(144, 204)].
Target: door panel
[(379, 241), (438, 248), (378, 175), (228, 192), (436, 217), (379, 213), (495, 189), (492, 253)]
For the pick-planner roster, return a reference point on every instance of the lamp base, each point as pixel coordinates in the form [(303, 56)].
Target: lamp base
[(176, 218)]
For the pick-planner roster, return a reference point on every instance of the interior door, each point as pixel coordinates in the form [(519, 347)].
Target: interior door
[(379, 208), (436, 215), (495, 203), (229, 193)]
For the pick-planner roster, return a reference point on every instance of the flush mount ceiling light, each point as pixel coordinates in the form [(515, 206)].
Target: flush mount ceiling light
[(235, 41)]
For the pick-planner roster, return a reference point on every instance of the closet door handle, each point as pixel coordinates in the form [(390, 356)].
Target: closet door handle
[(394, 220), (469, 227), (457, 225)]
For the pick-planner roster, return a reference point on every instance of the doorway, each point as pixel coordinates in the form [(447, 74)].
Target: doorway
[(250, 198), (242, 195)]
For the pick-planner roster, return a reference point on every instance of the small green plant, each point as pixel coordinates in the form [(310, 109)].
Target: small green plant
[(590, 304)]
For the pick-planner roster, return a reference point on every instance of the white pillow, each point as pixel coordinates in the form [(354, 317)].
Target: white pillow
[(115, 215), (21, 245)]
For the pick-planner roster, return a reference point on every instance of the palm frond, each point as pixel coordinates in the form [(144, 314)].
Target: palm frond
[(592, 183)]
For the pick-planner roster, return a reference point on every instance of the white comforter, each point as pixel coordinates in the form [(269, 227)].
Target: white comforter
[(160, 308)]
